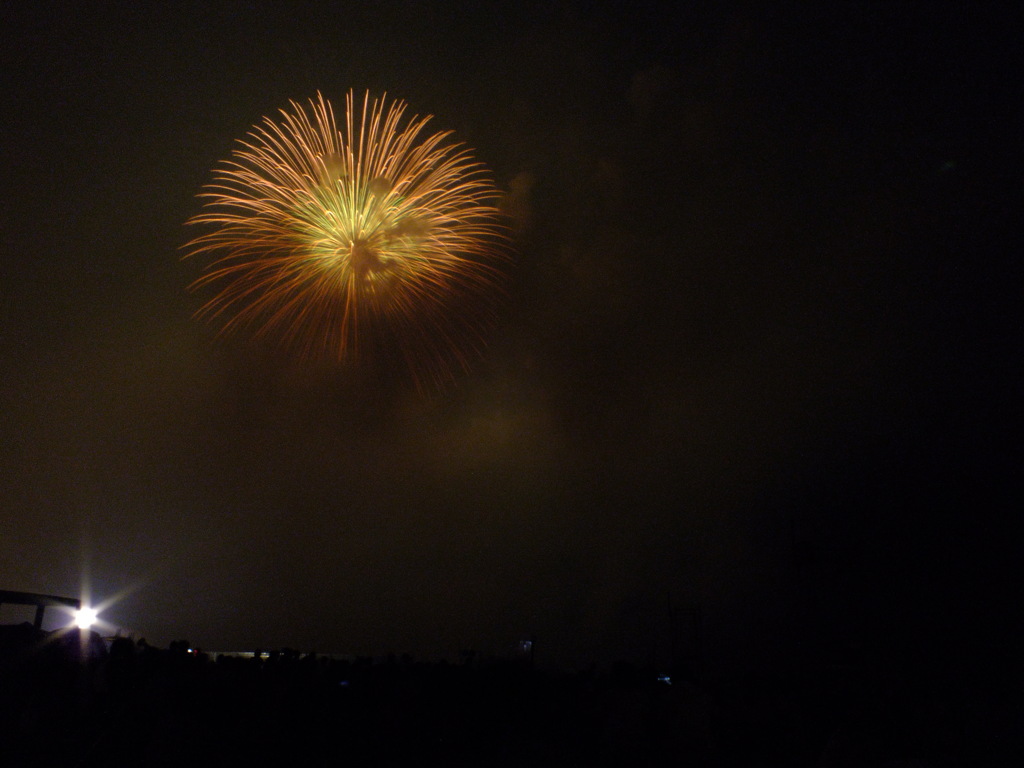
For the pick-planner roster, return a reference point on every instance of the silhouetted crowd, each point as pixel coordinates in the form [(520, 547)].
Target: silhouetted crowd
[(73, 699)]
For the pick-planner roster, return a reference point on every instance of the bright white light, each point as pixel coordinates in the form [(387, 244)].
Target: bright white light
[(85, 617)]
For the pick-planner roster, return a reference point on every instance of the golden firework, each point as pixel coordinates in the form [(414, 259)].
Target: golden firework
[(368, 239)]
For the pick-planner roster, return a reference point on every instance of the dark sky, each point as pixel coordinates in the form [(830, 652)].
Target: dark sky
[(757, 359)]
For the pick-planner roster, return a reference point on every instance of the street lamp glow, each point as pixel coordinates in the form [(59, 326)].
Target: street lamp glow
[(85, 617)]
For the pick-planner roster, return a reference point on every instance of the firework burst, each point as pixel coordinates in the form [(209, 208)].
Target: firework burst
[(364, 240)]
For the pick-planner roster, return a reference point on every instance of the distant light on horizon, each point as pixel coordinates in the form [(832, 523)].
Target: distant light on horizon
[(85, 617)]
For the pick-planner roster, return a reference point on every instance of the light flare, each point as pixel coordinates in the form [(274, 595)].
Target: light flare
[(85, 617)]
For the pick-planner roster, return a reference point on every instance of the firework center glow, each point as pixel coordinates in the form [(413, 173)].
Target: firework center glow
[(364, 258)]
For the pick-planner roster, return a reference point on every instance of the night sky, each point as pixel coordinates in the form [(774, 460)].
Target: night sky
[(755, 371)]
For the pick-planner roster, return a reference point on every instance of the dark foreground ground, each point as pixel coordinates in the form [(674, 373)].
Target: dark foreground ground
[(74, 700)]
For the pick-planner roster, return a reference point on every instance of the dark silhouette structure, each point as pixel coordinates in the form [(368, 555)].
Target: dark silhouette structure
[(41, 602)]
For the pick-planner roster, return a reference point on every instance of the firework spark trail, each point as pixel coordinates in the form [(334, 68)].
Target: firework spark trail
[(338, 239)]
